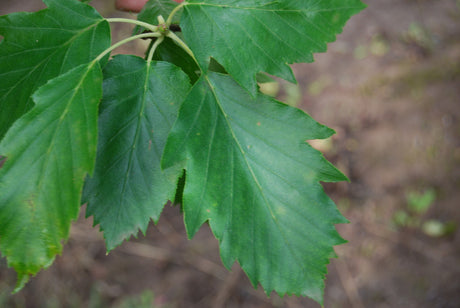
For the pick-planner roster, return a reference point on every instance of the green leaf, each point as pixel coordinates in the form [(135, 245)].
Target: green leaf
[(248, 37), (48, 153), (155, 8), (252, 175), (40, 46), (170, 52), (419, 203), (140, 104)]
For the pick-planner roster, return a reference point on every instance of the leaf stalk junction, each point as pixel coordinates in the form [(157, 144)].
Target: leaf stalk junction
[(159, 32)]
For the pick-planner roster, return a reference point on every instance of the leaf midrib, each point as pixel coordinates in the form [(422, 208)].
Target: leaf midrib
[(134, 143)]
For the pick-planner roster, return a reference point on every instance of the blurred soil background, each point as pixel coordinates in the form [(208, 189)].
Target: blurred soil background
[(390, 87)]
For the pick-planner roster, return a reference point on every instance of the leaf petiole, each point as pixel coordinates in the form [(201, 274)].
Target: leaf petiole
[(133, 21), (154, 47), (184, 46), (129, 39), (173, 12)]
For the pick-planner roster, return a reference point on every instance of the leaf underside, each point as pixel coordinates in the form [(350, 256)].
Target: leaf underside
[(140, 104)]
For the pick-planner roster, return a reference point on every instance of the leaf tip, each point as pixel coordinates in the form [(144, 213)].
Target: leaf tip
[(23, 278)]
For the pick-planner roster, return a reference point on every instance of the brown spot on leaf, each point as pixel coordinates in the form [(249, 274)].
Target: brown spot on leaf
[(2, 161)]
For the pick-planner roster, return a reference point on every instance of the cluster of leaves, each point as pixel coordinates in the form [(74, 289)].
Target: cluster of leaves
[(125, 135)]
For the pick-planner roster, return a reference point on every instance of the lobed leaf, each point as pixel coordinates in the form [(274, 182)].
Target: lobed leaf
[(42, 45), (140, 104), (252, 175), (248, 37), (48, 152)]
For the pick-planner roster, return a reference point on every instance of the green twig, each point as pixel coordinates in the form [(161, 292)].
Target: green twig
[(184, 46), (173, 12)]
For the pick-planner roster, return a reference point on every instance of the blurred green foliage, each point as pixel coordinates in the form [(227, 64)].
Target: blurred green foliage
[(417, 204)]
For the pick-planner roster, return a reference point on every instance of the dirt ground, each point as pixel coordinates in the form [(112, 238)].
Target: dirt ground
[(390, 87)]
